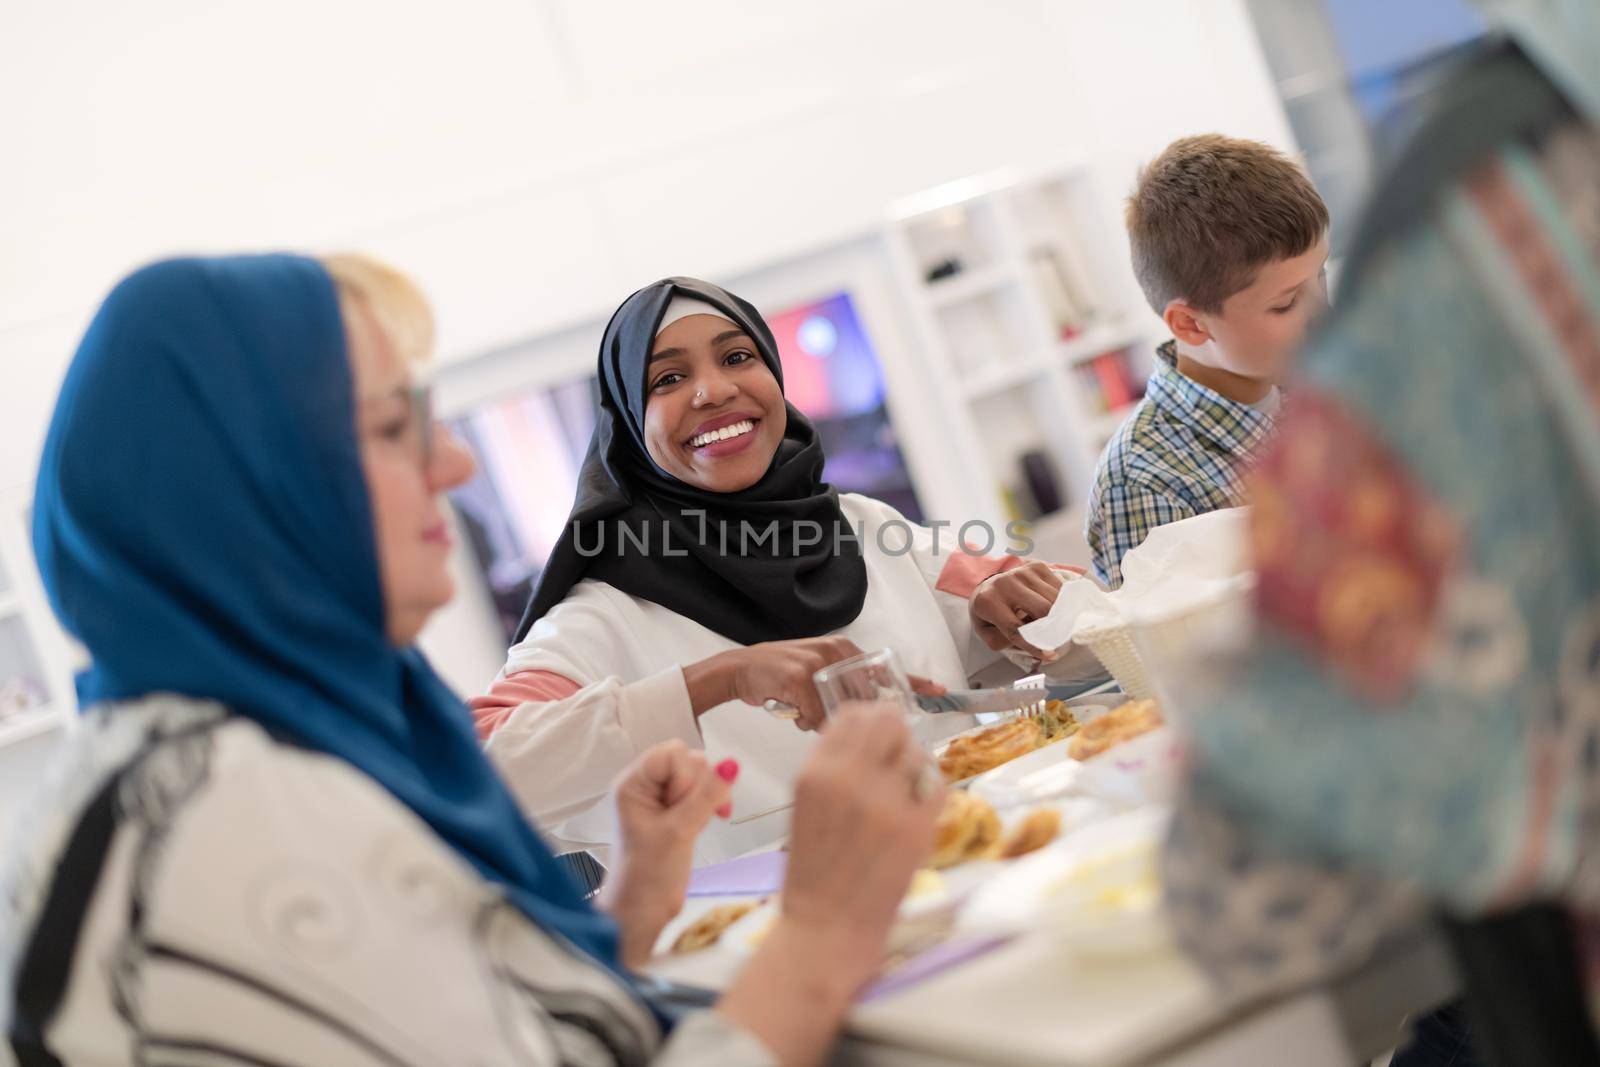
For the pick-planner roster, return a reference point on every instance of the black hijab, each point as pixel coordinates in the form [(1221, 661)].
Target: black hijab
[(762, 588)]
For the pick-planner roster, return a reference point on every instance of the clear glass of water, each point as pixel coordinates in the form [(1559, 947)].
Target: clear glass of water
[(872, 677)]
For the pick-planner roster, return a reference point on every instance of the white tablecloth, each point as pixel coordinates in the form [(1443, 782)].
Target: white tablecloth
[(1029, 1003)]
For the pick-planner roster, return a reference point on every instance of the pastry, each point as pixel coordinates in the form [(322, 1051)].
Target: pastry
[(1114, 727), (1036, 829), (978, 752), (986, 831), (966, 829), (954, 830), (704, 931)]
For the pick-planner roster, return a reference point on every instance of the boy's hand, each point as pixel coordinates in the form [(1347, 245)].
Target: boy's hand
[(1003, 602)]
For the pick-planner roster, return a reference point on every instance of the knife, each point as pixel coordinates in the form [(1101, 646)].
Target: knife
[(1024, 693), (1014, 697), (1019, 695)]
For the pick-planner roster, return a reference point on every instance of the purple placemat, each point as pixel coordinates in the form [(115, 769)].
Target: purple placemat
[(936, 960), (746, 876)]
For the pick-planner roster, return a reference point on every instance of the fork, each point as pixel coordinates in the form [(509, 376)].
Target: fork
[(1034, 710)]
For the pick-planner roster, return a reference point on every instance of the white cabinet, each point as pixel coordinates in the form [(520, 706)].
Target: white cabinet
[(1018, 287), (36, 691)]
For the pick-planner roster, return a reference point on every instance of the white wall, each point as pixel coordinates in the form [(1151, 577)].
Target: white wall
[(532, 161)]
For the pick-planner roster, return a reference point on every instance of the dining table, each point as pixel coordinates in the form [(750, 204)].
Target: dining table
[(1022, 994), (1024, 1002)]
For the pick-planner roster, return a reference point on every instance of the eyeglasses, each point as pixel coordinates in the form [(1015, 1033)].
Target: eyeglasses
[(415, 435), (421, 432)]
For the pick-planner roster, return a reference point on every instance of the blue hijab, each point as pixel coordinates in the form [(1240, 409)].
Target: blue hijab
[(202, 526)]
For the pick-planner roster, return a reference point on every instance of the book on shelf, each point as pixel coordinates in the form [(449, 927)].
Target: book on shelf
[(1113, 383), (1110, 382)]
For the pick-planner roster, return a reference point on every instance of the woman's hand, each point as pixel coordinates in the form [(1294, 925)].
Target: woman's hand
[(776, 670), (865, 806), (1002, 603), (862, 824), (663, 801)]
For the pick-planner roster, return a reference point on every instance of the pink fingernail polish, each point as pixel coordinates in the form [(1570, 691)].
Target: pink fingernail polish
[(728, 770), (725, 810)]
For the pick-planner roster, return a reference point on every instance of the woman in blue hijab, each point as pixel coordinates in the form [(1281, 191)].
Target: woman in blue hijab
[(275, 838)]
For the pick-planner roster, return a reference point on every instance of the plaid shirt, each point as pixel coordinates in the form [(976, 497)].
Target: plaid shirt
[(1181, 454)]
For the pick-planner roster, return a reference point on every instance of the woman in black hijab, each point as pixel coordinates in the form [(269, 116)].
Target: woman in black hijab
[(707, 564), (667, 452)]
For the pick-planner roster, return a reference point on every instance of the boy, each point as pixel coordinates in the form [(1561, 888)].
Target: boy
[(1229, 240)]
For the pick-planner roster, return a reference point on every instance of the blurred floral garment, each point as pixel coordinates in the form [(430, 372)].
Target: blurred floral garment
[(1416, 720)]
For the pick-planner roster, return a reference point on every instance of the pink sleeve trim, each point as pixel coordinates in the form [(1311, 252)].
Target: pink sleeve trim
[(962, 574), (490, 711)]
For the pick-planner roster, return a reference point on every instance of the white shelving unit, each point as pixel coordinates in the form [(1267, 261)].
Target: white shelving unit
[(34, 655), (1017, 285), (18, 728)]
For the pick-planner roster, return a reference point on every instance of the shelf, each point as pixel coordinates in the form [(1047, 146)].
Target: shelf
[(31, 723), (968, 285), (1001, 376), (1097, 341), (1007, 380), (956, 193)]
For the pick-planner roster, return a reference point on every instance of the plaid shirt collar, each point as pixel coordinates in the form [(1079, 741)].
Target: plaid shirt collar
[(1234, 427)]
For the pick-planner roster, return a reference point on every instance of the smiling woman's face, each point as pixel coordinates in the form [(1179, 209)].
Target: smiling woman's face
[(714, 415)]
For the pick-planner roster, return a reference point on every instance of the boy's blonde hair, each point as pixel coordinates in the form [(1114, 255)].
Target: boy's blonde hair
[(394, 302), (1210, 211)]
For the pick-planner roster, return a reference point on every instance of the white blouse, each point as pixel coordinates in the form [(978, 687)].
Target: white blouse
[(615, 663), (189, 891)]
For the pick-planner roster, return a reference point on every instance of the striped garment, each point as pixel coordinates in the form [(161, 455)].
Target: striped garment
[(1181, 454)]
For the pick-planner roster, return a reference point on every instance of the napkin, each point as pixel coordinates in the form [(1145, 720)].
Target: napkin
[(1177, 568)]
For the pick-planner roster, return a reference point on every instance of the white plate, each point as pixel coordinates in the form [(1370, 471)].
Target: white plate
[(1093, 888), (746, 935), (933, 907), (1083, 709), (1142, 770), (955, 885), (1043, 774)]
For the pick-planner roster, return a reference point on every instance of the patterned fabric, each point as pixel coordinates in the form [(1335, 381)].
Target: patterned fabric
[(1418, 717), (1183, 453)]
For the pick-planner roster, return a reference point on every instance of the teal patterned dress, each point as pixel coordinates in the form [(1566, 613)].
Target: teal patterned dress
[(1415, 722)]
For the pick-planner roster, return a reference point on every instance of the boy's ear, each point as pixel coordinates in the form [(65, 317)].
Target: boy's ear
[(1186, 324)]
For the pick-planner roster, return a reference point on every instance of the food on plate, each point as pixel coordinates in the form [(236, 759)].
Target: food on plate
[(988, 748), (1059, 722), (708, 928), (1035, 830), (1122, 880), (759, 934), (975, 753), (925, 884), (1114, 727), (969, 829), (964, 830)]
